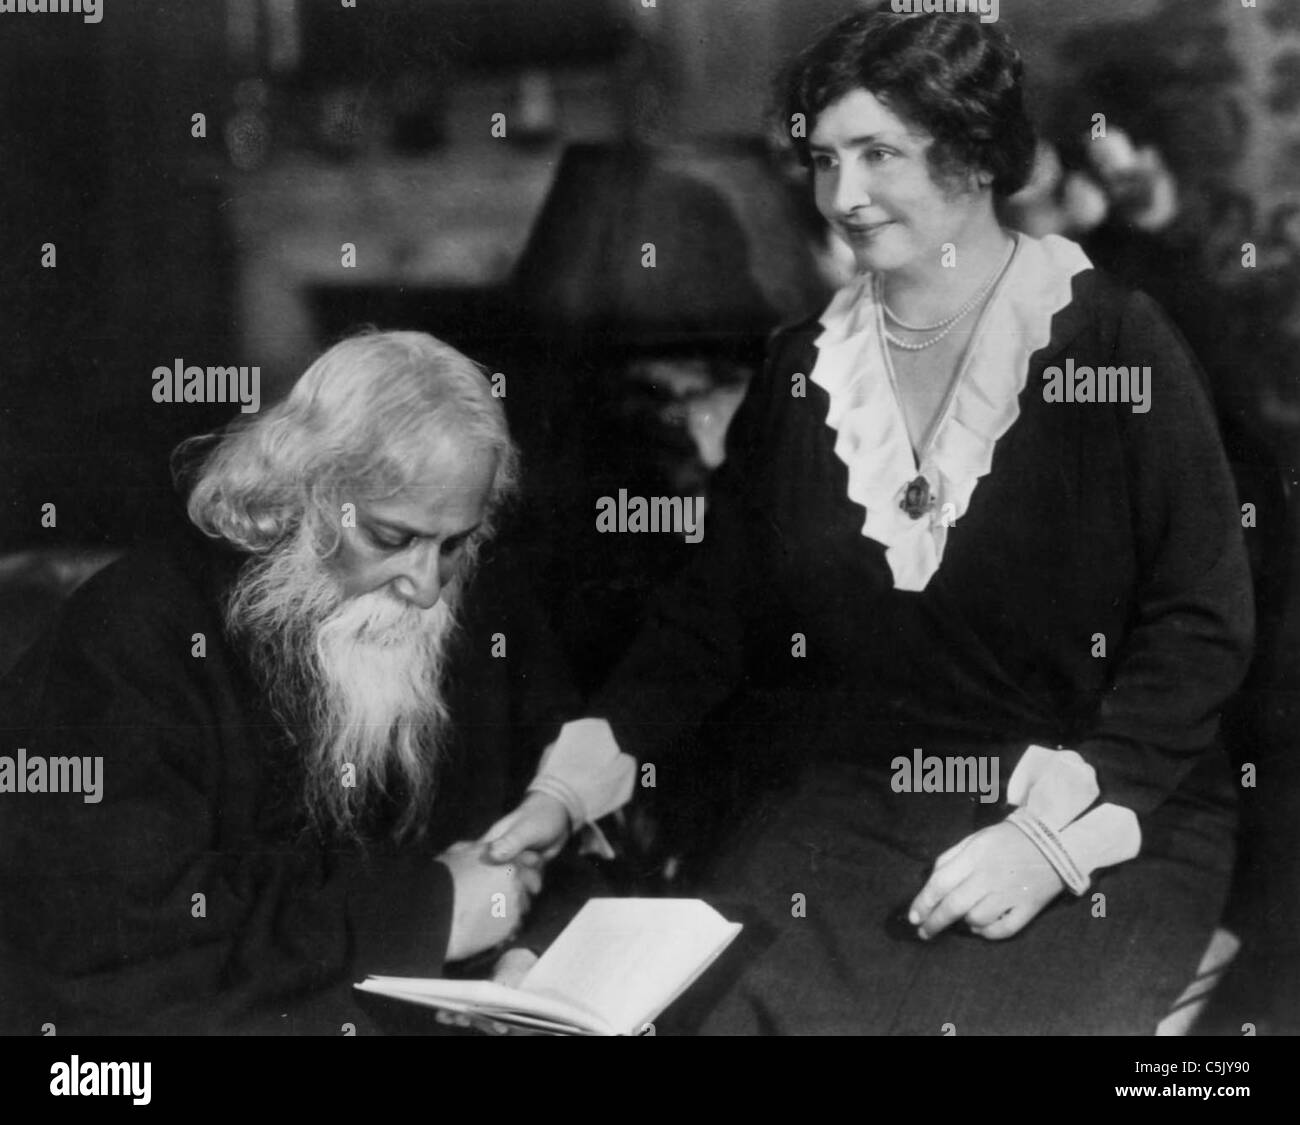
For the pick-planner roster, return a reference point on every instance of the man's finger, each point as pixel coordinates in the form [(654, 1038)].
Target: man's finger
[(523, 904), (461, 846), (531, 878), (513, 965)]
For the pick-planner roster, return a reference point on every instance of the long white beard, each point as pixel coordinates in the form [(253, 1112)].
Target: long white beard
[(358, 682)]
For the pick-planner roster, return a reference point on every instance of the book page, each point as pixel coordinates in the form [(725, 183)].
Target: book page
[(490, 999), (627, 959)]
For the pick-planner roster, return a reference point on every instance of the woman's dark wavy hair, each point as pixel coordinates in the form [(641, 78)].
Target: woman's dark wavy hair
[(954, 77)]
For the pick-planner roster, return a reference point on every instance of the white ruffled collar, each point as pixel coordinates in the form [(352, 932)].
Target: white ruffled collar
[(871, 435)]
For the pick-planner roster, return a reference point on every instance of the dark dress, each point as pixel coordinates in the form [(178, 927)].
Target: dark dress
[(101, 932), (1092, 519)]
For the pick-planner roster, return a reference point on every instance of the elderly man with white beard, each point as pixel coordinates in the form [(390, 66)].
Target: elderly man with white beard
[(309, 702)]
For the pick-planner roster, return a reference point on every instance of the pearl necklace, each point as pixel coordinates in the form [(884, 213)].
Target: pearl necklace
[(945, 326)]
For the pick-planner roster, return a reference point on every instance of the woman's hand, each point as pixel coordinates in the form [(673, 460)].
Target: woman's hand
[(996, 880), (540, 822), (490, 899)]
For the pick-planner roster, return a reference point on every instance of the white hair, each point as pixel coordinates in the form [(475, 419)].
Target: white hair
[(356, 682), (363, 420)]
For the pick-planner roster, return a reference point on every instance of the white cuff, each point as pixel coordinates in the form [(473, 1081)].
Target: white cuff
[(1056, 786), (1107, 835), (585, 771)]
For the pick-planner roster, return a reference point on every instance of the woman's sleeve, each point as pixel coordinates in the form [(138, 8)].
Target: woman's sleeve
[(1190, 643), (139, 909), (689, 656)]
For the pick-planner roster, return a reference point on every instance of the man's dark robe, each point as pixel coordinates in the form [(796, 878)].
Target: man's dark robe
[(191, 897)]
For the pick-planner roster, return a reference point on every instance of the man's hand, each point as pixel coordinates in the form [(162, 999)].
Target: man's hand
[(995, 880), (511, 968), (540, 824), (490, 899)]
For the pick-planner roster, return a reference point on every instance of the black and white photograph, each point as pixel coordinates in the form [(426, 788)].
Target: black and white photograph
[(650, 518)]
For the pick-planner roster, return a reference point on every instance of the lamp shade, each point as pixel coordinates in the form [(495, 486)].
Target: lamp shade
[(700, 248)]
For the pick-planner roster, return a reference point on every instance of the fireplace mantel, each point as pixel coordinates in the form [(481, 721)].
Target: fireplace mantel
[(456, 219)]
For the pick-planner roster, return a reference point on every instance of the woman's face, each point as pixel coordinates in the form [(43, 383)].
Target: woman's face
[(872, 183)]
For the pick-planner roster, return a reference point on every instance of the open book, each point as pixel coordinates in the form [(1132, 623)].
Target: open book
[(616, 966)]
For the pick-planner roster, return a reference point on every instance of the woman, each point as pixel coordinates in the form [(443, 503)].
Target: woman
[(983, 591)]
